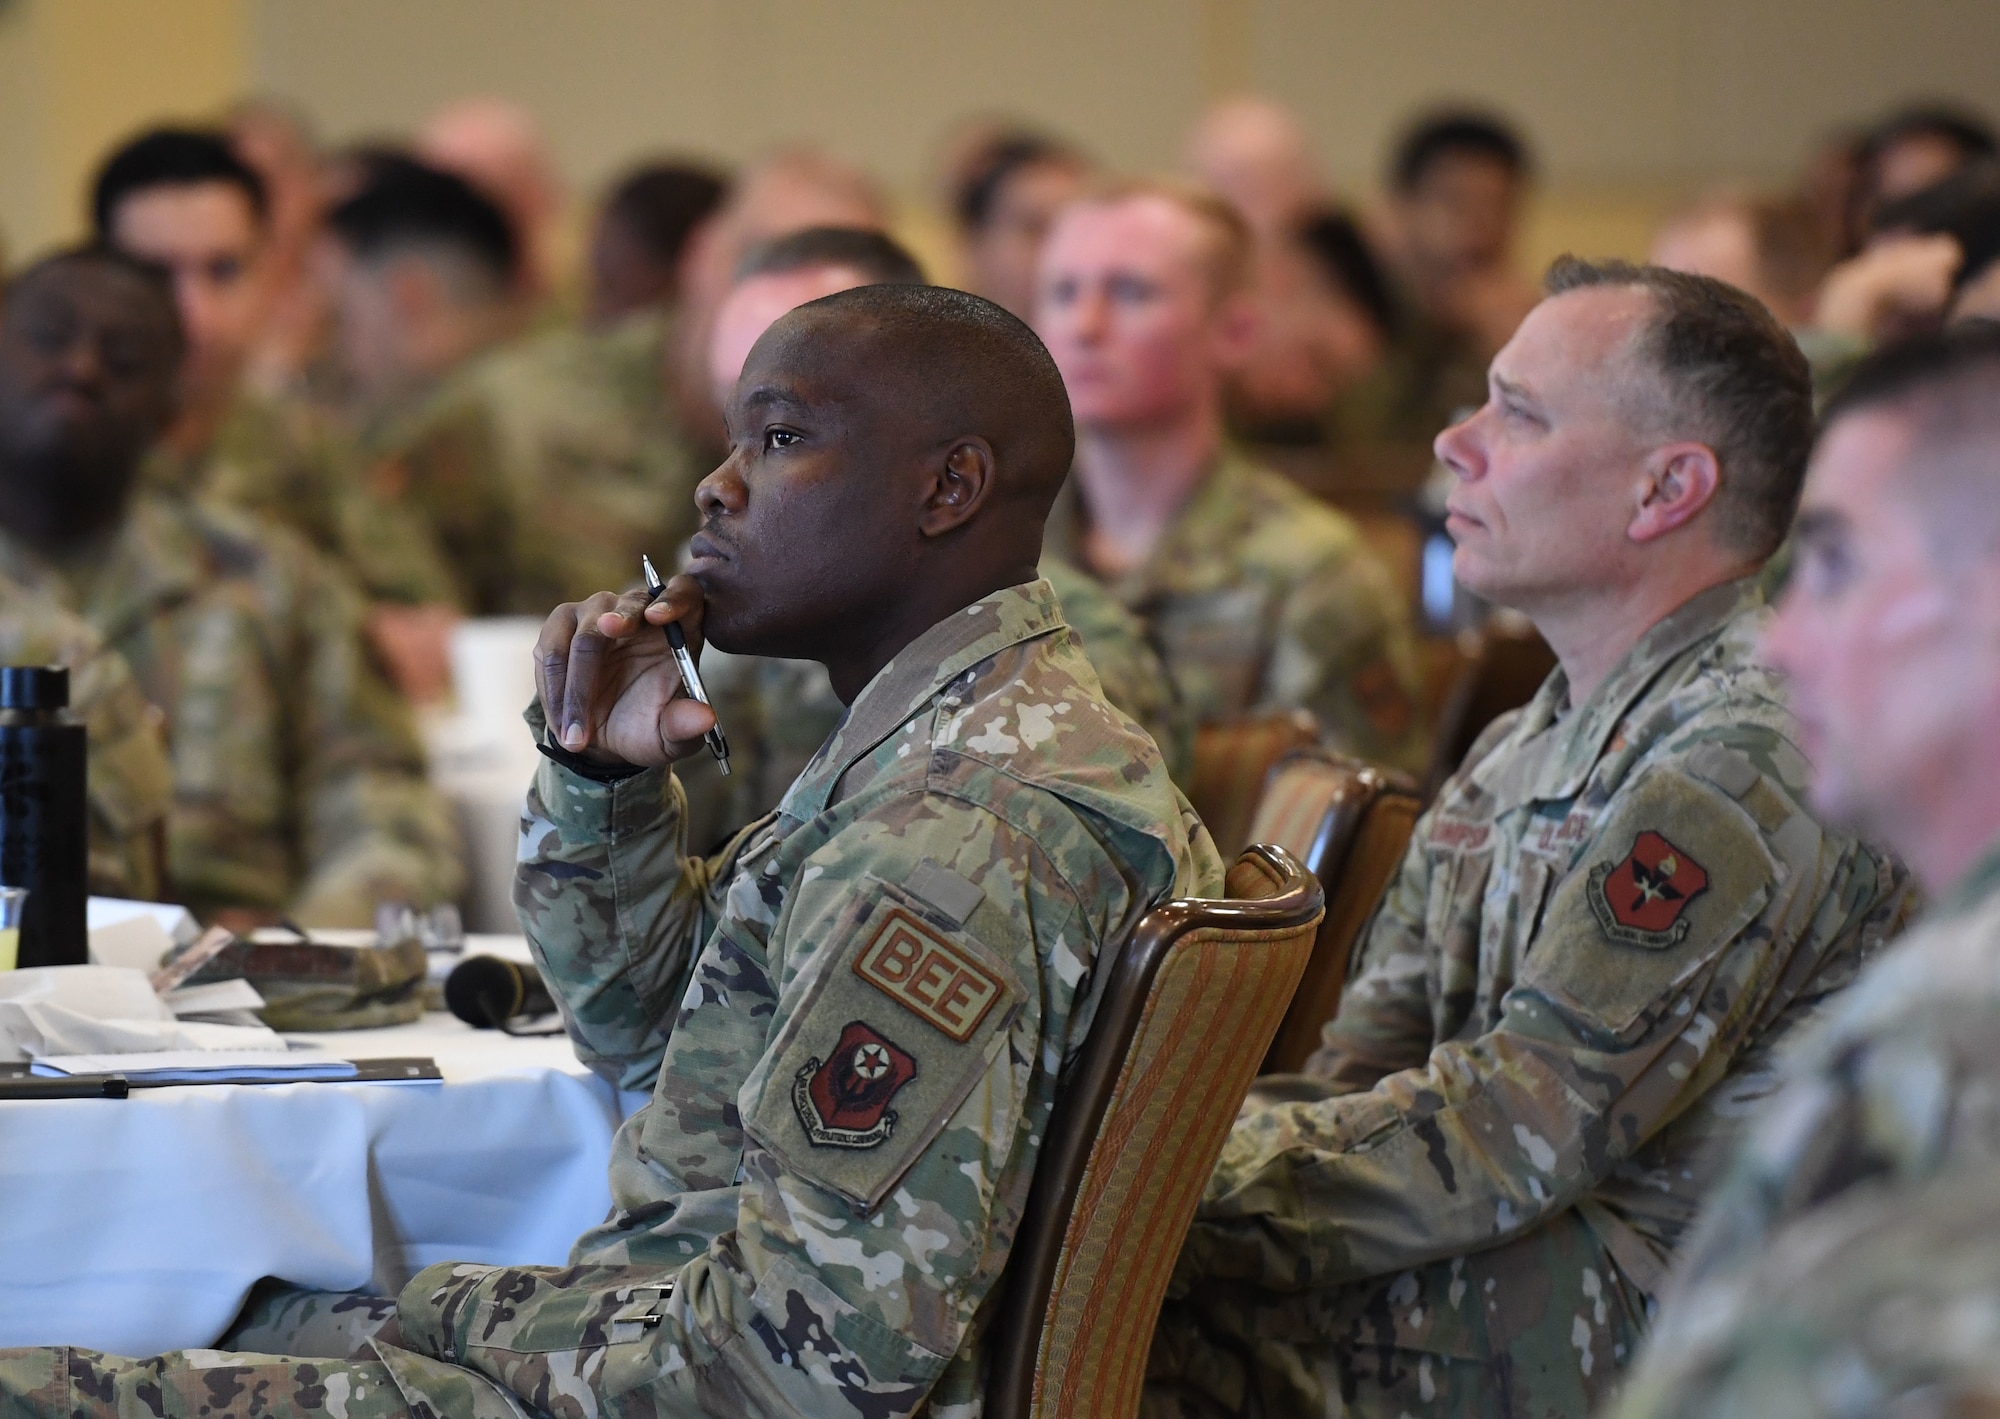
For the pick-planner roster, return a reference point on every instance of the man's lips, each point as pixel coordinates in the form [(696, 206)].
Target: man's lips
[(1461, 516), (704, 553)]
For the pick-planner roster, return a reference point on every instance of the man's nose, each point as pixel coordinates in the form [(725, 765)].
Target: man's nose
[(1457, 448), (82, 360), (721, 493)]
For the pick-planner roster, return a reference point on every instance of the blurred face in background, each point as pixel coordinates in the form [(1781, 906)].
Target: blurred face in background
[(1460, 214), (1002, 254), (1128, 306), (1546, 469), (754, 305), (208, 237), (1891, 651)]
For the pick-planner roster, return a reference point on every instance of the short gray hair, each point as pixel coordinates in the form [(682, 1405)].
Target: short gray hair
[(1731, 377)]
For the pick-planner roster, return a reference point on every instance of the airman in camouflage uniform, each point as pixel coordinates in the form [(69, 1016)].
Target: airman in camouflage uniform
[(131, 783), (1609, 917), (535, 474), (1603, 932), (778, 712), (854, 1019), (1261, 597), (1888, 1113), (1895, 1090), (299, 783), (277, 458)]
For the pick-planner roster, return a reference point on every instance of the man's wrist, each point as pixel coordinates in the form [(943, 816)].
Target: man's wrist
[(591, 769)]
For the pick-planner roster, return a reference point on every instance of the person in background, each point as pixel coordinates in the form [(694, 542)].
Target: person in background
[(1457, 184), (421, 267), (298, 782), (1767, 247), (131, 782), (1258, 596), (1912, 149), (640, 244), (498, 147), (1003, 208), (181, 199), (785, 191), (1884, 1124), (274, 140), (1607, 925), (779, 712), (1255, 155)]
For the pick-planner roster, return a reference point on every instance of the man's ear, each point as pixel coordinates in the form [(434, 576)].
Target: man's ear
[(1677, 481), (958, 486)]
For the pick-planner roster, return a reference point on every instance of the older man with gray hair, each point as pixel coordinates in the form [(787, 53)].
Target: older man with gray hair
[(1604, 926)]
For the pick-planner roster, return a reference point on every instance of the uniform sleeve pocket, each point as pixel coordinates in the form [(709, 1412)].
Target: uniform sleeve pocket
[(901, 1022), (1673, 877)]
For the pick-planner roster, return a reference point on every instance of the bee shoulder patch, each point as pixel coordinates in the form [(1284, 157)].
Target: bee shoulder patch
[(902, 1017)]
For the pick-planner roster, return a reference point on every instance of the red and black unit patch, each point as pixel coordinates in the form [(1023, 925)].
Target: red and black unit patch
[(1640, 901), (843, 1100)]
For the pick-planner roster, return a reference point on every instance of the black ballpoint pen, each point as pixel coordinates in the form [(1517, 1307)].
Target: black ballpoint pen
[(71, 1086), (690, 677)]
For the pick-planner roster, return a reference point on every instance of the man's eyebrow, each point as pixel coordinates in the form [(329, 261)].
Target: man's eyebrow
[(1513, 390), (776, 396)]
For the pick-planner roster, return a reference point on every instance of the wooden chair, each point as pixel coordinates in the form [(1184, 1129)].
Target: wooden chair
[(1349, 823), (1185, 1017), (1231, 758), (1499, 670)]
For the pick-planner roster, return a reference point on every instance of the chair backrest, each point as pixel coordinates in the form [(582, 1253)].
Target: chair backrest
[(1135, 1134), (1349, 823), (1231, 758), (1500, 670)]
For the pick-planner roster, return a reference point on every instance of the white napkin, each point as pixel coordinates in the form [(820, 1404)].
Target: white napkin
[(103, 1010)]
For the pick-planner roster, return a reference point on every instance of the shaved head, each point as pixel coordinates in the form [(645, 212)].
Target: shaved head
[(958, 364), (894, 451)]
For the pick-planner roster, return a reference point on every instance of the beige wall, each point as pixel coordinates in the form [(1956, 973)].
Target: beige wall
[(1630, 103), (76, 75)]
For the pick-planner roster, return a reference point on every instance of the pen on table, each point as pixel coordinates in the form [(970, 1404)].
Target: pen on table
[(79, 1086), (690, 677)]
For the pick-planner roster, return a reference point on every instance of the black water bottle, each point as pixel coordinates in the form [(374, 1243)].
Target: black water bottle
[(44, 831)]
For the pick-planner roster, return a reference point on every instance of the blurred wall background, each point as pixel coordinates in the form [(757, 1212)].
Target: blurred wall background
[(1630, 105)]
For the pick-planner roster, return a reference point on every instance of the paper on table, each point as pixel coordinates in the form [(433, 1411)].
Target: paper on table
[(199, 1066), (214, 998)]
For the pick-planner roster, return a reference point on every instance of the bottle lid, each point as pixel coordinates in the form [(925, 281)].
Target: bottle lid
[(34, 687)]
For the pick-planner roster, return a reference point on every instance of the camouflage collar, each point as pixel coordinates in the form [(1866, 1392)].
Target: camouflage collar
[(1979, 884), (921, 669), (1554, 753), (118, 581), (1193, 555)]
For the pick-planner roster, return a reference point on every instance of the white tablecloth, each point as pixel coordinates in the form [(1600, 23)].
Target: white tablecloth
[(139, 1225)]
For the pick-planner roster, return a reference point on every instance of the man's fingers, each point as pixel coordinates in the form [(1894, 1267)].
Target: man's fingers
[(682, 724), (625, 616), (588, 650), (680, 600), (552, 661)]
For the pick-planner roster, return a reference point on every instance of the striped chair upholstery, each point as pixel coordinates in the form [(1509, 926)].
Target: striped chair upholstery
[(1135, 1134), (1349, 823), (1231, 758)]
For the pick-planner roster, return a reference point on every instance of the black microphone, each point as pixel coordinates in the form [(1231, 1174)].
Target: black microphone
[(488, 992)]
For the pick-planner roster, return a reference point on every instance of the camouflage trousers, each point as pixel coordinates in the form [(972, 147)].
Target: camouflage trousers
[(1540, 1328)]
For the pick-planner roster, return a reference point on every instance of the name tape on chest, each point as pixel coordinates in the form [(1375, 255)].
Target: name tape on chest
[(941, 984)]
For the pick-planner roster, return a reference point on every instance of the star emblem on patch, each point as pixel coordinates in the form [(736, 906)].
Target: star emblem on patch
[(842, 1099), (1640, 900)]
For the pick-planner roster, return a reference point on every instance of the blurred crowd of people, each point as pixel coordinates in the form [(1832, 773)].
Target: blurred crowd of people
[(397, 386)]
